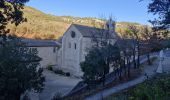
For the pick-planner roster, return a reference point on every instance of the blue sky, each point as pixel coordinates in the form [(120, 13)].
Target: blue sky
[(122, 10)]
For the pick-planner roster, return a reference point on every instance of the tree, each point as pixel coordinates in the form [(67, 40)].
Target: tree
[(147, 43), (97, 64), (19, 70), (150, 42), (93, 67), (126, 48), (134, 31), (162, 9), (11, 13)]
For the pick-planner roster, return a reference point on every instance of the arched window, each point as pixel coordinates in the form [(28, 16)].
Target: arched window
[(73, 34)]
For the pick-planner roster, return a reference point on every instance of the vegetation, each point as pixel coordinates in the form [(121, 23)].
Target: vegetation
[(44, 26), (59, 72), (157, 88), (97, 64), (160, 8), (18, 64), (50, 67), (18, 70)]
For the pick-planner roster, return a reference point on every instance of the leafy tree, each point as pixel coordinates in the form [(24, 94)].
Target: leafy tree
[(126, 48), (162, 9), (11, 13), (147, 42), (97, 64), (134, 32), (150, 42), (19, 70)]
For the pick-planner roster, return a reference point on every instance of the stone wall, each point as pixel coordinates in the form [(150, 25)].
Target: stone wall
[(48, 55)]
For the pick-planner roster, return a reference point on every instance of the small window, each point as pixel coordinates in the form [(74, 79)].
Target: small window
[(75, 46), (69, 45), (54, 49), (73, 34)]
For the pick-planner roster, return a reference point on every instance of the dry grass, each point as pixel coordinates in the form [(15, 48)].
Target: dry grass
[(45, 26)]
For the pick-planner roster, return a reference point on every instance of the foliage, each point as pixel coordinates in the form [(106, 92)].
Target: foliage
[(68, 74), (157, 89), (59, 72), (18, 69), (57, 96), (97, 63), (50, 67), (10, 12), (162, 9), (18, 64)]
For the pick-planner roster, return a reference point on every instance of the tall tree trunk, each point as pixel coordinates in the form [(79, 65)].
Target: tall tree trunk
[(18, 96), (148, 57), (138, 59), (128, 64), (134, 60), (120, 73), (106, 70), (124, 65)]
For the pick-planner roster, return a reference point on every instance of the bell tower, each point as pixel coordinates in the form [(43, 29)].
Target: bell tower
[(110, 25)]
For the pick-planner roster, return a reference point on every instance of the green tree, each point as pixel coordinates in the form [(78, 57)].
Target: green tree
[(11, 13), (19, 70), (97, 64), (134, 32), (162, 9)]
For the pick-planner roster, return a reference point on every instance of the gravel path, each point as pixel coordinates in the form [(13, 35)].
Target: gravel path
[(55, 84)]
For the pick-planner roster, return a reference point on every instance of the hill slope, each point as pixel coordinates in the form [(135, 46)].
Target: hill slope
[(44, 26)]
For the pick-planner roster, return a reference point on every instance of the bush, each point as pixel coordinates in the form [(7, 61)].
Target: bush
[(59, 72), (26, 97), (49, 67), (58, 96), (68, 74)]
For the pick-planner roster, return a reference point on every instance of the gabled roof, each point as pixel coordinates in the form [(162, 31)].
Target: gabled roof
[(40, 43), (90, 32)]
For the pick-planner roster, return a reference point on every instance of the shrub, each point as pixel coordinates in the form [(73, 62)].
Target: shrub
[(49, 67), (26, 97), (68, 74), (59, 72), (57, 96)]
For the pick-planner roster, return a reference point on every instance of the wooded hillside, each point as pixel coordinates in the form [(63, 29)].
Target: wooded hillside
[(44, 26)]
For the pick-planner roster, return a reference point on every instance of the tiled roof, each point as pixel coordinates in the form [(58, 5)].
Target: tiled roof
[(40, 43), (87, 31)]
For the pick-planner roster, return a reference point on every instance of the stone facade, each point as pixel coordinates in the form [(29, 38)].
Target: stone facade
[(48, 55), (72, 50), (75, 45), (48, 51), (68, 53)]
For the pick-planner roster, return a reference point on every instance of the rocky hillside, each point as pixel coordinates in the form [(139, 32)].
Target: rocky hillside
[(44, 26)]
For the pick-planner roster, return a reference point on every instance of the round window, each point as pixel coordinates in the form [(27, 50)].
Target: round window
[(73, 34)]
